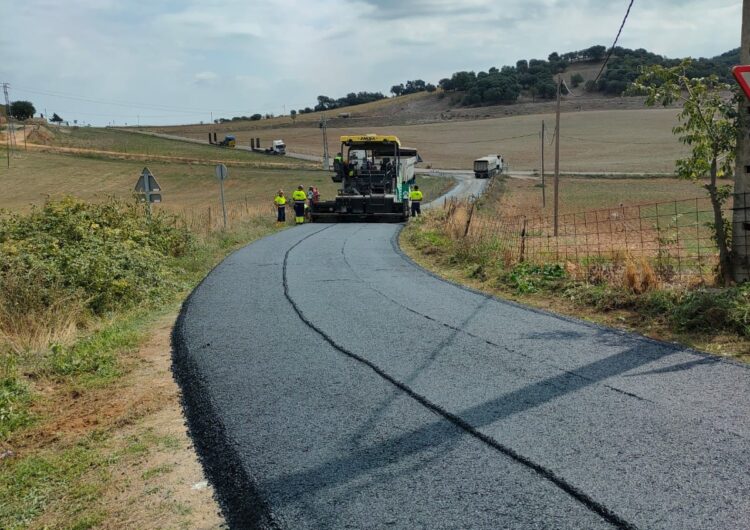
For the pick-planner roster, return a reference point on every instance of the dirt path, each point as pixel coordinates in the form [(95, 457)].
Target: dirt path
[(146, 475), (166, 488)]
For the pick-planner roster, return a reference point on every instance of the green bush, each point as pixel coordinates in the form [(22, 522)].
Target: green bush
[(109, 255), (715, 310), (527, 278)]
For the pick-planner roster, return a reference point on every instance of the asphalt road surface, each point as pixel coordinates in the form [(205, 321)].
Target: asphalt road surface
[(329, 382)]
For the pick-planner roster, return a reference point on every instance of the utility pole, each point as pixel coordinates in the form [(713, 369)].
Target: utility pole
[(740, 220), (544, 191), (11, 136), (324, 127), (557, 152)]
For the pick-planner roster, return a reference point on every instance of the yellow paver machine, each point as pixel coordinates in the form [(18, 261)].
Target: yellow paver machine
[(376, 174)]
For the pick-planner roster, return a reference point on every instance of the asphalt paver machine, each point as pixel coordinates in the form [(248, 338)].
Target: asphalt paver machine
[(376, 174)]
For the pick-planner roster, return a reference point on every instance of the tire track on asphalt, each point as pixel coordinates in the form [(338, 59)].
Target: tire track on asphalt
[(588, 502)]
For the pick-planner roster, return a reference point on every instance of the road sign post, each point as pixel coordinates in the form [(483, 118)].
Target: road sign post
[(221, 174), (149, 188)]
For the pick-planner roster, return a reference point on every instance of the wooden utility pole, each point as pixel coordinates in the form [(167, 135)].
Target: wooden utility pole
[(544, 191), (557, 151), (11, 134), (324, 127), (740, 214)]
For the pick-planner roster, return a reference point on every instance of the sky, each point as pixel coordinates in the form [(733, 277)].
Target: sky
[(186, 61)]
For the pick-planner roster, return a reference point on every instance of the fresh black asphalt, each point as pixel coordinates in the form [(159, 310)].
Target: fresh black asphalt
[(329, 382)]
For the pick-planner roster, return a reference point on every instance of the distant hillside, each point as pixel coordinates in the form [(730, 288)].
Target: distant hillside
[(535, 78)]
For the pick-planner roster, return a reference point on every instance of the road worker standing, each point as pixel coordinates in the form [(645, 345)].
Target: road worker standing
[(299, 197), (416, 200), (280, 202)]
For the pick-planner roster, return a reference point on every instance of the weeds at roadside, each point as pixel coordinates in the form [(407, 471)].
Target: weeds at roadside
[(629, 294)]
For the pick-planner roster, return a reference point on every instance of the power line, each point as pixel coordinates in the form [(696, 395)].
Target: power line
[(606, 59)]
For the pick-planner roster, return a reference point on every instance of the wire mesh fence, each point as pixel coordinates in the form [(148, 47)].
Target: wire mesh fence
[(675, 238)]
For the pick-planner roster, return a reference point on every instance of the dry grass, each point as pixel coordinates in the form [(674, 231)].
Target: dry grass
[(115, 456), (36, 176), (639, 276), (591, 141), (524, 197), (113, 143)]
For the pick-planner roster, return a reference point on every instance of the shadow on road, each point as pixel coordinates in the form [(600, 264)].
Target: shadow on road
[(442, 434)]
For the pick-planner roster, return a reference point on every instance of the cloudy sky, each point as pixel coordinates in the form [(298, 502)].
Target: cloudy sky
[(182, 61)]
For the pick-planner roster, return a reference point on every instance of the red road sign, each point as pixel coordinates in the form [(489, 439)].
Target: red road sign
[(742, 75)]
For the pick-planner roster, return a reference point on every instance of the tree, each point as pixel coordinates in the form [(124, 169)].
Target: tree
[(446, 84), (576, 79), (595, 53), (397, 90), (56, 119), (709, 125), (256, 117), (293, 114), (22, 110)]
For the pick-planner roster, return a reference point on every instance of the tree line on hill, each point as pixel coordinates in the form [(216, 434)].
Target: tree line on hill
[(534, 78)]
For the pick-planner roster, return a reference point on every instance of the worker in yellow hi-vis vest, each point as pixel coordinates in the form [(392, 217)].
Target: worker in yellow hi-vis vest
[(299, 197), (280, 202), (416, 200)]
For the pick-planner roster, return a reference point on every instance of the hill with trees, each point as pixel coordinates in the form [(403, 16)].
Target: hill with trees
[(533, 79)]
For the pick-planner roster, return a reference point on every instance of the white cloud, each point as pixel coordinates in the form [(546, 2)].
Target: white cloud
[(206, 77), (255, 56)]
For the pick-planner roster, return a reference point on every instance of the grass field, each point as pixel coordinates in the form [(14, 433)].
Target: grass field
[(524, 197), (591, 141), (108, 143), (35, 176)]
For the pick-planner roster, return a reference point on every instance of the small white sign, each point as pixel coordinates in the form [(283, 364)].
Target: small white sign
[(221, 172)]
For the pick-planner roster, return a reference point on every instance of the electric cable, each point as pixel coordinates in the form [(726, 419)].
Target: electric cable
[(609, 54)]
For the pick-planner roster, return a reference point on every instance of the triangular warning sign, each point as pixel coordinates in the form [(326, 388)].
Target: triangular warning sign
[(742, 75), (153, 185)]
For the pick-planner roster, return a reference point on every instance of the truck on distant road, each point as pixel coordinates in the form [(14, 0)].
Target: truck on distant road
[(229, 141), (488, 166), (278, 147)]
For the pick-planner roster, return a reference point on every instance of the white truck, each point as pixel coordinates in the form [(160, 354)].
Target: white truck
[(277, 147), (488, 166)]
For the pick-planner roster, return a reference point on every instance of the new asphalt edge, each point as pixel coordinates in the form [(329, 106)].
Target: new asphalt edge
[(234, 489)]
